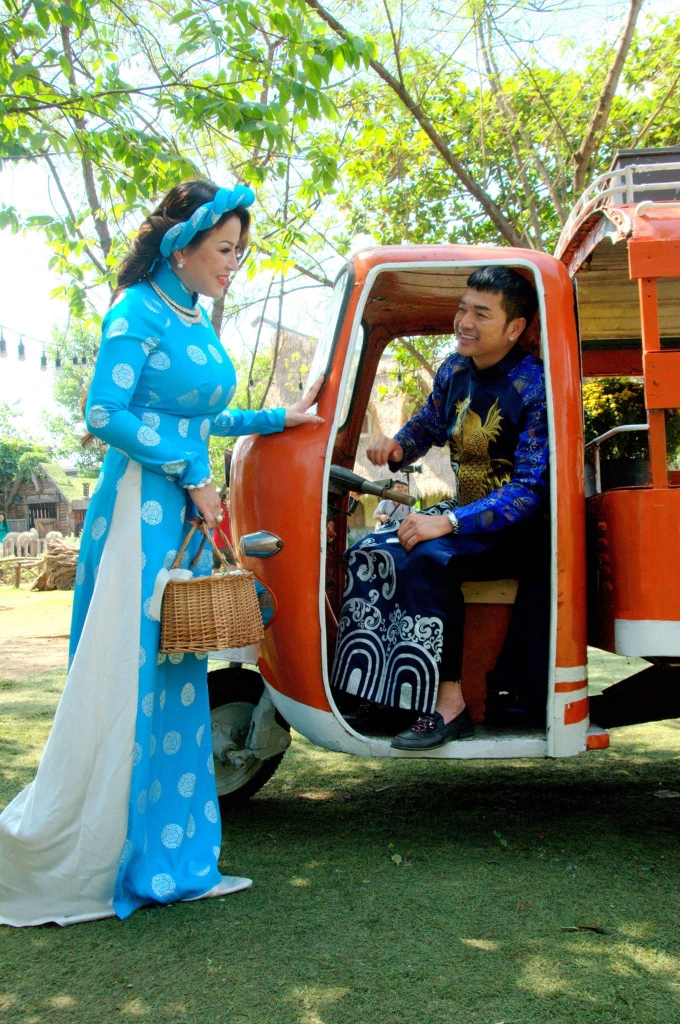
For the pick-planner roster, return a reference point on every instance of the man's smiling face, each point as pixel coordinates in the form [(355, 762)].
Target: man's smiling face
[(482, 329)]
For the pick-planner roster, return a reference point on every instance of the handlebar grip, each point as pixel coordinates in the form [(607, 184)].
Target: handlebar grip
[(399, 497)]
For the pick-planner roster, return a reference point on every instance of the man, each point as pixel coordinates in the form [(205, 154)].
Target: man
[(391, 512), (400, 636)]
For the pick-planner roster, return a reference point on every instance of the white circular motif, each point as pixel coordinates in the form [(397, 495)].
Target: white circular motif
[(172, 741), (161, 657), (98, 417), (177, 467), (183, 427), (118, 327), (98, 485), (155, 791), (186, 786), (210, 763), (216, 395), (163, 885), (142, 656), (152, 512), (153, 398), (149, 345), (215, 353), (199, 734), (152, 419), (161, 699), (80, 573), (169, 559), (147, 704), (201, 655), (183, 513), (141, 802), (205, 429), (147, 609), (172, 836), (176, 657), (205, 562), (191, 827), (216, 852), (211, 811), (143, 560), (187, 695), (148, 437), (98, 528), (231, 393), (136, 754), (123, 375), (152, 745), (196, 355), (159, 361), (127, 851), (154, 305), (200, 872), (189, 398)]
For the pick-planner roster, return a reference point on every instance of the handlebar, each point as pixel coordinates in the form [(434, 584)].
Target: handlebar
[(350, 481)]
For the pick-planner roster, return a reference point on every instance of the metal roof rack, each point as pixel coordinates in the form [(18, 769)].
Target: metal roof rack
[(618, 187)]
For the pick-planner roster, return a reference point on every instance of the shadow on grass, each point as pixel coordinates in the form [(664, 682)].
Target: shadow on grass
[(403, 893)]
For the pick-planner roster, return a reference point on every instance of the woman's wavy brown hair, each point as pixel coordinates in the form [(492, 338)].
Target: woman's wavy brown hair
[(177, 206)]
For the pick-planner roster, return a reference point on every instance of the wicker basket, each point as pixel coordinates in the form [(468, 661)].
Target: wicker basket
[(210, 613)]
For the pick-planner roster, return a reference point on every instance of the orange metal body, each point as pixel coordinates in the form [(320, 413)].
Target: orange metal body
[(278, 484), (634, 532)]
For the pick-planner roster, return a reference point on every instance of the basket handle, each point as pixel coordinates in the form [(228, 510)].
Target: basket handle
[(235, 557), (200, 524)]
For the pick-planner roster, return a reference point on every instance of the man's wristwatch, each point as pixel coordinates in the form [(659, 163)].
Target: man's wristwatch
[(455, 525)]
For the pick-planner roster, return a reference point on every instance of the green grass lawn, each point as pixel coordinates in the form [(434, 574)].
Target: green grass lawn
[(391, 893)]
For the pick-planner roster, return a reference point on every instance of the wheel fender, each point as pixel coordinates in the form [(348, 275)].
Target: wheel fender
[(265, 736)]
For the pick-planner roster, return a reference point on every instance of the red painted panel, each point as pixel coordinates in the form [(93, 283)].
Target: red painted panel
[(576, 712), (570, 687), (662, 379), (485, 629), (656, 258), (612, 362)]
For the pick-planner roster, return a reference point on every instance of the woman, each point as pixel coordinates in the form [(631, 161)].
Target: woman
[(123, 811), (4, 528)]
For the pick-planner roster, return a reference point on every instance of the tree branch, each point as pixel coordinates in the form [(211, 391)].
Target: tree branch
[(413, 351), (601, 113), (50, 163), (100, 223), (650, 121), (506, 229)]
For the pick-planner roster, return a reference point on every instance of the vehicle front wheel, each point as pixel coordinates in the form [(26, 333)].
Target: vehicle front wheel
[(234, 693)]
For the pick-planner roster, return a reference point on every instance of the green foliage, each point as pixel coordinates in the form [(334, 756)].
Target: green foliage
[(19, 454), (127, 103), (613, 401), (67, 427)]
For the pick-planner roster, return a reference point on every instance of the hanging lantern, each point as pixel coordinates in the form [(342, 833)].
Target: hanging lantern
[(399, 375), (83, 360), (57, 364), (75, 362), (43, 361), (22, 351), (95, 352), (3, 347)]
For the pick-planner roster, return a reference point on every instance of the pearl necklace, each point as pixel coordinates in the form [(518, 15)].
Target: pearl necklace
[(186, 315)]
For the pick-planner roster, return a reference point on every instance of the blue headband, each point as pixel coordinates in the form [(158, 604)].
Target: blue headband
[(205, 216)]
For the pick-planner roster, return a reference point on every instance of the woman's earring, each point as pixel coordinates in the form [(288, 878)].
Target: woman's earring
[(179, 265)]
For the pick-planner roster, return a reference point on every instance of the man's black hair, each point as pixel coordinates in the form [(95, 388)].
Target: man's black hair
[(519, 296)]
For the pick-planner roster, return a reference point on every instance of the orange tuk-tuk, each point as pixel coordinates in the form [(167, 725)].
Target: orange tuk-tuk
[(615, 583)]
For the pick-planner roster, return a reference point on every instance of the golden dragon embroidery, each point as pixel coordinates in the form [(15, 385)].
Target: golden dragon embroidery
[(478, 474)]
